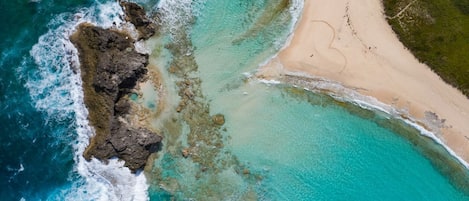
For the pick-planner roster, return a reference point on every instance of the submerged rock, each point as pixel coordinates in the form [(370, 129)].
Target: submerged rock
[(110, 69), (218, 119), (185, 153)]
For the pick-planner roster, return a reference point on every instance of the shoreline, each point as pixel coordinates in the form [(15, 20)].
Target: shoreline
[(340, 93), (353, 45)]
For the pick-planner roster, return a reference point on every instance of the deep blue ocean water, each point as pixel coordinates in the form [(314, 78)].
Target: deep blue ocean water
[(302, 148), (42, 114), (36, 153)]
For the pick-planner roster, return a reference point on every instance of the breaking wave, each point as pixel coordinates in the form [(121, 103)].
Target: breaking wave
[(56, 90)]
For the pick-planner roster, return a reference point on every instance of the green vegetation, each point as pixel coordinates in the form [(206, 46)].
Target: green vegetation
[(463, 6), (437, 33)]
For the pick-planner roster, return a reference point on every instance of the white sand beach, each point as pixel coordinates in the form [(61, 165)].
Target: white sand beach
[(350, 42)]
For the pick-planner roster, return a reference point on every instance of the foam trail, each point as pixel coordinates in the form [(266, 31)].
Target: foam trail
[(57, 90), (296, 9)]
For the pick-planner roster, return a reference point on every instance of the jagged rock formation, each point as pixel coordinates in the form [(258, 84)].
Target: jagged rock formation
[(135, 14), (110, 69)]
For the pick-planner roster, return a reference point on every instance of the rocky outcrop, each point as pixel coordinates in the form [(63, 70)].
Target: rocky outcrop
[(133, 145), (110, 69), (135, 14)]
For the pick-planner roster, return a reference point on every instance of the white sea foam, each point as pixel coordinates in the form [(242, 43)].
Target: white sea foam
[(432, 135), (140, 47), (21, 168), (16, 171), (57, 91), (269, 82), (108, 14), (176, 14), (295, 10), (344, 94)]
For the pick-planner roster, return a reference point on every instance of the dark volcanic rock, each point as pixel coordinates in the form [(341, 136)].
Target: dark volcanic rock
[(133, 145), (118, 65), (122, 107), (119, 71), (110, 69), (136, 15)]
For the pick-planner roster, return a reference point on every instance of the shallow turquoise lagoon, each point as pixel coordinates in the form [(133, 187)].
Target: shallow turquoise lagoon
[(300, 147), (320, 151), (288, 144)]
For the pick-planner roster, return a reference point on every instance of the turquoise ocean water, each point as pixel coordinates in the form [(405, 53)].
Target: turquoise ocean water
[(288, 143)]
